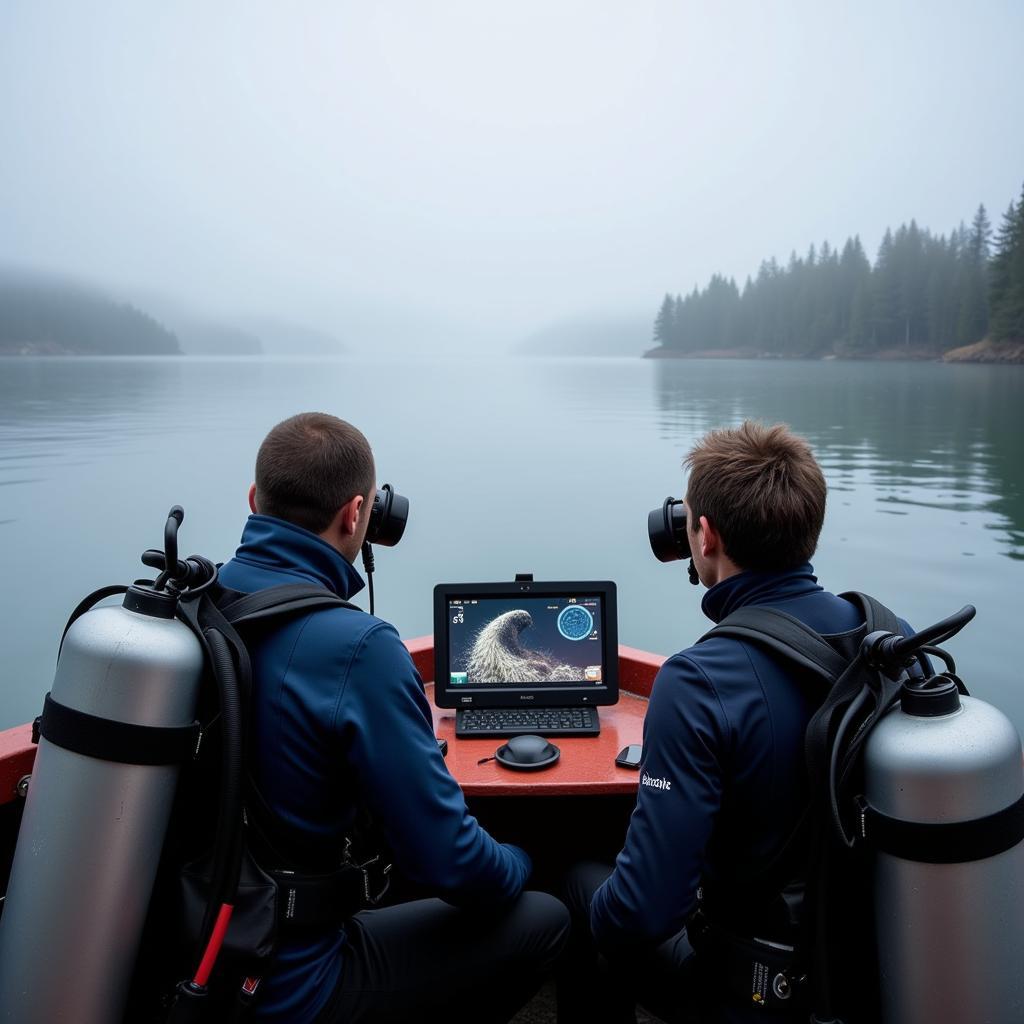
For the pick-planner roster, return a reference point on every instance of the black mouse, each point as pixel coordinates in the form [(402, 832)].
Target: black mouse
[(527, 753)]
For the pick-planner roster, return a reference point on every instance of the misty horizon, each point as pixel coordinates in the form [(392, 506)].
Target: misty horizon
[(408, 177)]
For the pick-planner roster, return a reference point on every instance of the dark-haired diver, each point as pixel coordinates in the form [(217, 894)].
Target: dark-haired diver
[(340, 722)]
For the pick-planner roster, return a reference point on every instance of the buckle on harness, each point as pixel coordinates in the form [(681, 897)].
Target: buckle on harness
[(376, 879)]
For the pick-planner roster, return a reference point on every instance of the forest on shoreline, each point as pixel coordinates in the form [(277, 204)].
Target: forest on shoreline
[(51, 316), (959, 296)]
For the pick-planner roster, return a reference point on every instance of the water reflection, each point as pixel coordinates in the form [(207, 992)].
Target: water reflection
[(513, 465), (920, 435)]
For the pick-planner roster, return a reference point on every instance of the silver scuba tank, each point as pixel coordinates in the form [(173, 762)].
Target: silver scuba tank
[(944, 777), (93, 828)]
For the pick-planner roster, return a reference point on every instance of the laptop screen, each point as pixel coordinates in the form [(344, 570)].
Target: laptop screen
[(506, 645)]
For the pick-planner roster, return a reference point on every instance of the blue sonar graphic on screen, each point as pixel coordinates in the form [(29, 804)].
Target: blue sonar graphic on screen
[(575, 622)]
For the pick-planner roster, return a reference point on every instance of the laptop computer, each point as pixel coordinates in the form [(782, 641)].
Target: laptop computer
[(526, 657)]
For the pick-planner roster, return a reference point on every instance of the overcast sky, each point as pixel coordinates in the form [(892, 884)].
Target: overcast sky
[(476, 168)]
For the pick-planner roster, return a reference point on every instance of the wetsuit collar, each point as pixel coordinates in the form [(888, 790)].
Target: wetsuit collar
[(758, 588), (278, 545)]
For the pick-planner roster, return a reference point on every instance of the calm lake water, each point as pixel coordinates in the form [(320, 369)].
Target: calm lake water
[(516, 465)]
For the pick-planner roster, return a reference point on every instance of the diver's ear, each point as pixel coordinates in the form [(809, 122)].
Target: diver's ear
[(710, 538), (346, 522)]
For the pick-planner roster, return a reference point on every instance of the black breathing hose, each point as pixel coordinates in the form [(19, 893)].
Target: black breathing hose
[(904, 648), (368, 567), (227, 846)]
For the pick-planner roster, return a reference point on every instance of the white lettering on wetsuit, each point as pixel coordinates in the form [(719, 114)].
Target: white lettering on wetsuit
[(654, 783)]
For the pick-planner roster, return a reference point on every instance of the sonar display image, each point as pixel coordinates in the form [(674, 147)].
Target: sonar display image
[(575, 622), (526, 640)]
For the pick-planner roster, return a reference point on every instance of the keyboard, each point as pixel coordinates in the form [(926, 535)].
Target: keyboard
[(516, 721)]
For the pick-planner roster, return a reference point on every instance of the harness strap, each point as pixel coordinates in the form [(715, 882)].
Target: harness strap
[(852, 688), (317, 901), (786, 635), (85, 604), (275, 602), (796, 643), (256, 614), (106, 740), (876, 615)]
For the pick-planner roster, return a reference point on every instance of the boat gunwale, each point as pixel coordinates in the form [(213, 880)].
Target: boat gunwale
[(637, 670)]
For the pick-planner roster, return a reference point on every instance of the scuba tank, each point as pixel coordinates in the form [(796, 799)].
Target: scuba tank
[(918, 798), (116, 727), (944, 778)]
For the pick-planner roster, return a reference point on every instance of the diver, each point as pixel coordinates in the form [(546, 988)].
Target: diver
[(341, 724), (723, 783)]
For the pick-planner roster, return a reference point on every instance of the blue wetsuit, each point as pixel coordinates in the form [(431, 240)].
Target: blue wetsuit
[(722, 782), (339, 714)]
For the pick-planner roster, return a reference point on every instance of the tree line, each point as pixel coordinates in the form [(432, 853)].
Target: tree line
[(924, 292), (40, 315)]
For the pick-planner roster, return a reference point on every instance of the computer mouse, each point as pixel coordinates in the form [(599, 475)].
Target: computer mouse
[(527, 753)]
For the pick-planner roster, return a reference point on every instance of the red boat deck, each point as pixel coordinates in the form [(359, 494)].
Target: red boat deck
[(587, 765)]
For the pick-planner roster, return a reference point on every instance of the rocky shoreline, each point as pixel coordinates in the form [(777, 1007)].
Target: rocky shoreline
[(1006, 353)]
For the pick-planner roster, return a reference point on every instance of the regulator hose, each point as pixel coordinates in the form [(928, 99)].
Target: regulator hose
[(227, 848)]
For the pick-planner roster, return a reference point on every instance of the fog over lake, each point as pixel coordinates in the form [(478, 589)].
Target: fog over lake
[(461, 175)]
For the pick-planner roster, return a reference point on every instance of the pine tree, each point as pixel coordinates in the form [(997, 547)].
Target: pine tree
[(1006, 288), (885, 299), (972, 281), (854, 282), (664, 322), (678, 331)]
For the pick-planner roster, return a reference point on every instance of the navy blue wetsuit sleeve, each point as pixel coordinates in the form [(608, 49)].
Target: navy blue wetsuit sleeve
[(654, 885), (385, 722)]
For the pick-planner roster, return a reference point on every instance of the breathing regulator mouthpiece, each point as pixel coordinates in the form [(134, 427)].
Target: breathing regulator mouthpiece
[(666, 530), (178, 575)]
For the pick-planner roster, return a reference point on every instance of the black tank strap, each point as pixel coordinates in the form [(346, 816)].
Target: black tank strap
[(783, 634), (85, 604), (275, 840), (876, 615), (275, 602), (106, 740), (956, 842)]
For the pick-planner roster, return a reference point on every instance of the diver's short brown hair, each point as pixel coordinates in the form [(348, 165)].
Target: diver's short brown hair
[(762, 490), (309, 466)]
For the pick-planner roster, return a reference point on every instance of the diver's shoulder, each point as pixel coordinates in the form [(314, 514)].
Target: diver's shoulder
[(690, 665), (352, 621), (356, 630)]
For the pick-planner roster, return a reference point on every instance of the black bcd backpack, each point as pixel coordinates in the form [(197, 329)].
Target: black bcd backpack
[(225, 843), (821, 876)]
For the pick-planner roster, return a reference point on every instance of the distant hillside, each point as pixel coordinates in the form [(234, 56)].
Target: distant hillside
[(287, 338), (204, 332), (202, 338), (48, 315), (612, 335)]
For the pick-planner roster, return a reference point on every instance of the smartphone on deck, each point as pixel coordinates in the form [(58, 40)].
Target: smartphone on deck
[(629, 757)]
